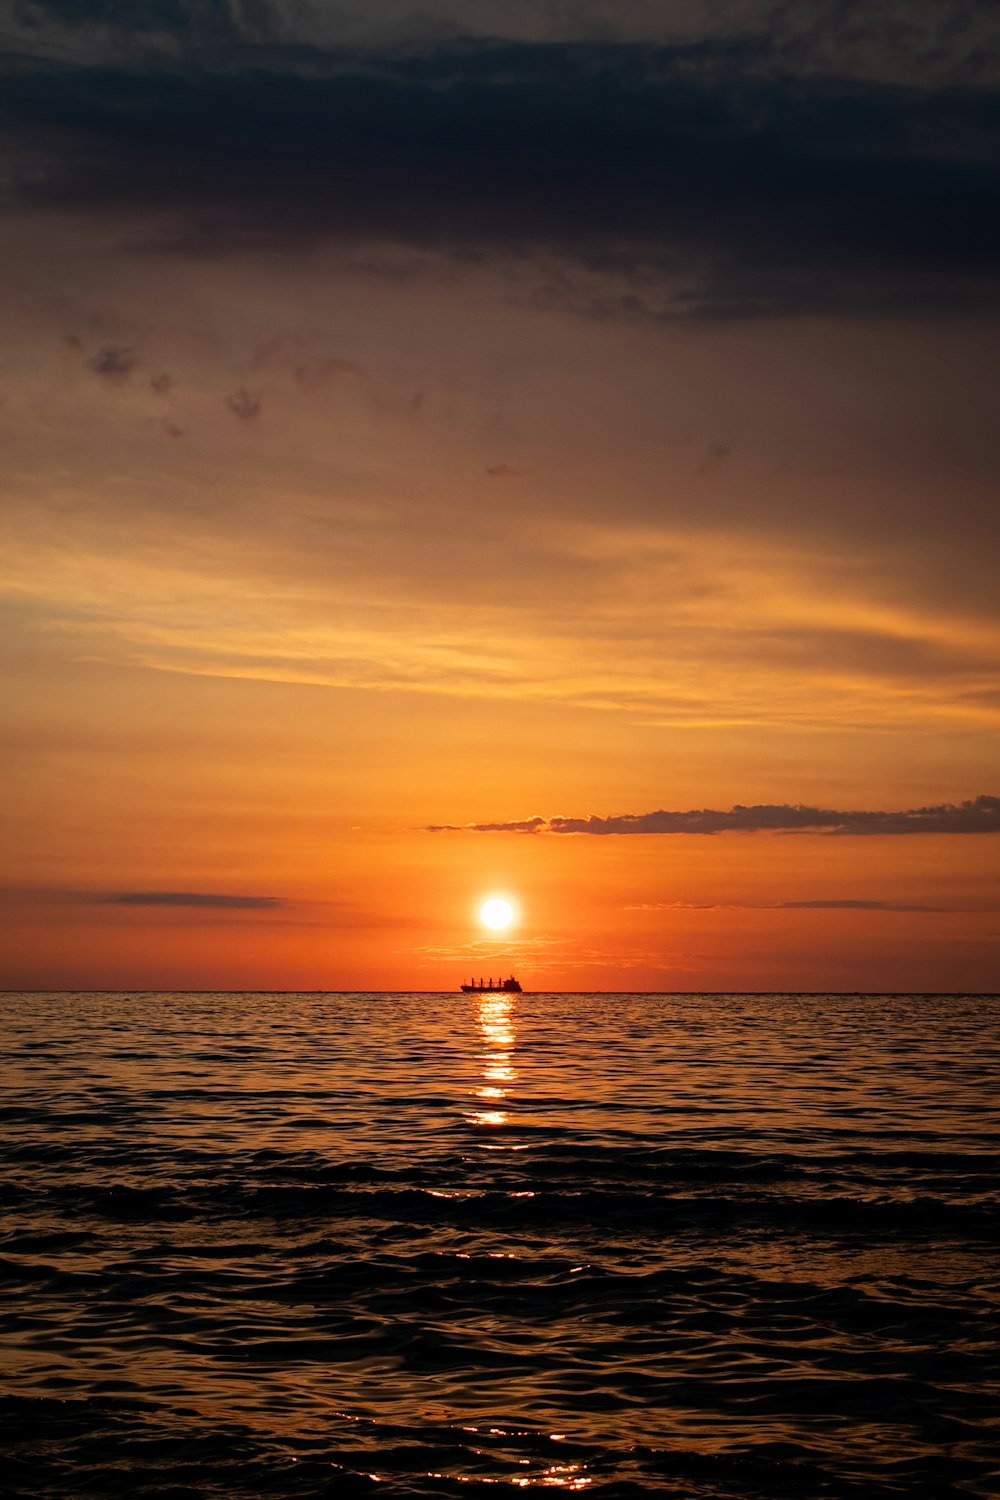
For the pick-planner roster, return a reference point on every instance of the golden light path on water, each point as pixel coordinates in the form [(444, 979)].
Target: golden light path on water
[(496, 1025), (498, 1035)]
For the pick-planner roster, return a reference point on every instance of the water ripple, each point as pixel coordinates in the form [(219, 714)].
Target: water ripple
[(695, 1246)]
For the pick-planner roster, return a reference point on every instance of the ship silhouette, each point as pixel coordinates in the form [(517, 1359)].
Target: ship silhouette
[(503, 987)]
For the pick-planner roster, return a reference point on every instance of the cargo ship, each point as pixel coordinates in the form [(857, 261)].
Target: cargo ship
[(502, 987)]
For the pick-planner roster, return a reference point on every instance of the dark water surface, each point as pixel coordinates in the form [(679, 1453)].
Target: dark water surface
[(408, 1245)]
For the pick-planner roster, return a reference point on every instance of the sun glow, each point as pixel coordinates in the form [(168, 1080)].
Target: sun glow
[(496, 914)]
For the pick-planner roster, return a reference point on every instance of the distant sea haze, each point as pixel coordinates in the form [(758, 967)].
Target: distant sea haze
[(290, 1245)]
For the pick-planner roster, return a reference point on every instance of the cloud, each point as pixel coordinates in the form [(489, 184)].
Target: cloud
[(981, 815), (504, 471), (189, 899), (326, 915), (199, 21), (947, 41), (655, 181), (853, 906), (243, 405), (938, 40), (847, 905), (544, 955), (679, 906), (527, 825), (114, 362)]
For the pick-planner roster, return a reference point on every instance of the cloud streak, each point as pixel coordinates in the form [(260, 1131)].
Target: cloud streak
[(850, 905), (209, 901), (980, 815), (820, 905)]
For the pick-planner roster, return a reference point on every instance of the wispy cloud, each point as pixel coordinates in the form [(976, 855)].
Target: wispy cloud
[(210, 900), (543, 955), (820, 905), (288, 911), (980, 815), (855, 906), (524, 825)]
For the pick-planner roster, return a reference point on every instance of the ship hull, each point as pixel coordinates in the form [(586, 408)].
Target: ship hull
[(491, 989)]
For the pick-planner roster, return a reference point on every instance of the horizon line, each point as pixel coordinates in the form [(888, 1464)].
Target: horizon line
[(529, 994)]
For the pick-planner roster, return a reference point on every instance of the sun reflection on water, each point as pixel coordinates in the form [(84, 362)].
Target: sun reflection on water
[(562, 1476), (495, 1013)]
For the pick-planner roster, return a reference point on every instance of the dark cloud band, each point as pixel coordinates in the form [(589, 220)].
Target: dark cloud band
[(981, 815), (694, 178)]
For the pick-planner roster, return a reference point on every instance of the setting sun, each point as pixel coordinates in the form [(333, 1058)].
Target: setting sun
[(496, 914)]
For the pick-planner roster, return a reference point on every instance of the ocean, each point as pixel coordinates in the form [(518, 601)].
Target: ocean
[(344, 1245)]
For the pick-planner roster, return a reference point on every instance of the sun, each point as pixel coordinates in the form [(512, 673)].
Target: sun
[(496, 914)]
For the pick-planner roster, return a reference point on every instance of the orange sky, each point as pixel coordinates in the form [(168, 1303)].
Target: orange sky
[(307, 548)]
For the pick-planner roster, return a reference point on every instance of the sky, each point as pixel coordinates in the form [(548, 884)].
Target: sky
[(500, 448)]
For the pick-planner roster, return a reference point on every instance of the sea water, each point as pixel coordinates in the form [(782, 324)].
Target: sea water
[(686, 1245)]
